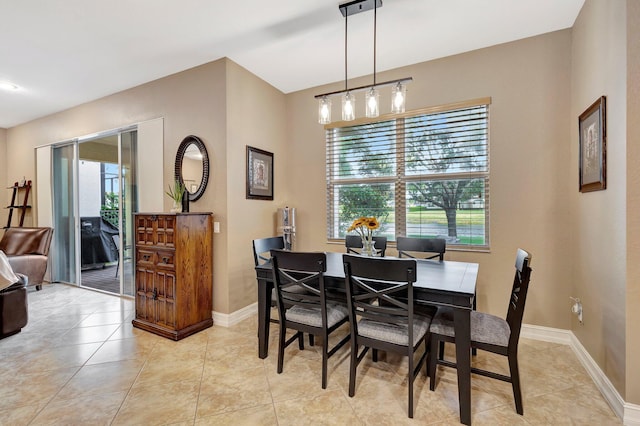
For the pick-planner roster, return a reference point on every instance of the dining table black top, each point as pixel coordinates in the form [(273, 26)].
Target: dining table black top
[(442, 279)]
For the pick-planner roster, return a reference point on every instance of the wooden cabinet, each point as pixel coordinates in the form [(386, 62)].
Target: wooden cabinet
[(174, 270)]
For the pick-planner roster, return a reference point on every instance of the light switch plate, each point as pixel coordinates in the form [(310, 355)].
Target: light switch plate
[(216, 227)]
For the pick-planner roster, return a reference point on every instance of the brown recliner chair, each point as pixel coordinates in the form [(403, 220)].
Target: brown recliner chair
[(13, 307), (28, 251)]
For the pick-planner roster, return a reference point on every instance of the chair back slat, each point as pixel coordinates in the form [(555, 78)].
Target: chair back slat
[(353, 243), (518, 296), (263, 246), (380, 290), (407, 246), (299, 280)]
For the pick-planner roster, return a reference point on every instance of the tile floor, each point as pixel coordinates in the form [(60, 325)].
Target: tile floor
[(80, 362)]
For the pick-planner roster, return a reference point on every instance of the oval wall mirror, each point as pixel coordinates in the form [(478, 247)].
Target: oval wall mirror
[(192, 166)]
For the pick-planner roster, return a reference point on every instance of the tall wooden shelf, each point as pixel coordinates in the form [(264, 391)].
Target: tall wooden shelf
[(19, 191)]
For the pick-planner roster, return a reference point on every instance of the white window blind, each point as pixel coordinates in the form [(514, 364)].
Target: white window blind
[(422, 174)]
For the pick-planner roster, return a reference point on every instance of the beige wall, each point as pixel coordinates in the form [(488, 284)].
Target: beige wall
[(598, 218), (191, 102), (633, 203), (257, 118), (529, 83)]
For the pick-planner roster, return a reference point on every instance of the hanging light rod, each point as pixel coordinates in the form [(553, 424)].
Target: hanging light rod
[(372, 97), (368, 86)]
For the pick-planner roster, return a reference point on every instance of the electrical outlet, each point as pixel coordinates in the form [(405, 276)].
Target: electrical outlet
[(576, 308)]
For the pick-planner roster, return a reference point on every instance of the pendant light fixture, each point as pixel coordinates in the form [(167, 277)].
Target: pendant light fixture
[(372, 95), (324, 110), (398, 97), (348, 101)]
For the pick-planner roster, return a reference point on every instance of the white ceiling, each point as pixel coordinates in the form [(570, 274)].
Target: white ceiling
[(62, 53)]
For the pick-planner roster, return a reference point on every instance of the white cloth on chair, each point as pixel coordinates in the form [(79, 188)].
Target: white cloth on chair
[(7, 276)]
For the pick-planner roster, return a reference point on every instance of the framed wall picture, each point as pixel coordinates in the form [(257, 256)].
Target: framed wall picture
[(593, 147), (259, 174)]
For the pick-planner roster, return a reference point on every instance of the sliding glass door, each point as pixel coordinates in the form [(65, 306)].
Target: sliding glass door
[(128, 200), (95, 196), (63, 243)]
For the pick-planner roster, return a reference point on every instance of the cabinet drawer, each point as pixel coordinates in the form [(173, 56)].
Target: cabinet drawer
[(145, 258), (165, 259), (152, 259)]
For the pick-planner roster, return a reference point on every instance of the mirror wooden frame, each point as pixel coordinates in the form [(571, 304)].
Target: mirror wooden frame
[(191, 139)]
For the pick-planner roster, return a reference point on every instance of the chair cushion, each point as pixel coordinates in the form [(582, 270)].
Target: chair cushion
[(298, 289), (485, 328), (394, 333), (313, 316)]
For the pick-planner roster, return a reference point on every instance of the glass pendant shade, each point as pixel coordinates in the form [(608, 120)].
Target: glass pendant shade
[(372, 98), (398, 98), (348, 107), (324, 110)]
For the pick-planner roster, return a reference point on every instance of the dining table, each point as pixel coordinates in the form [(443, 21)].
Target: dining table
[(439, 283)]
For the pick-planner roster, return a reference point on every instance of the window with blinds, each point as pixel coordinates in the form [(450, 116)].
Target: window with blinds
[(422, 174)]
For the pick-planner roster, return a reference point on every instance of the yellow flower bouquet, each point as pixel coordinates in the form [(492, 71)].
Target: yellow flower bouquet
[(365, 226)]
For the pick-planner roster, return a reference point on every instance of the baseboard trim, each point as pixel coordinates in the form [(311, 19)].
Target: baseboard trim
[(629, 413), (601, 381), (228, 320), (546, 334)]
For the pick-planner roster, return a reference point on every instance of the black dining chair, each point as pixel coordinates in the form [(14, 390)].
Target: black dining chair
[(381, 314), (408, 246), (488, 332), (309, 311), (262, 249), (262, 254), (353, 243)]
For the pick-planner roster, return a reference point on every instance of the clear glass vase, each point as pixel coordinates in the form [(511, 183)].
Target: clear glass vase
[(368, 247)]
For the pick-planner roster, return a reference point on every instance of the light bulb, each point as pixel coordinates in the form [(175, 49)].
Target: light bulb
[(324, 110), (398, 96), (348, 107), (398, 100), (372, 103)]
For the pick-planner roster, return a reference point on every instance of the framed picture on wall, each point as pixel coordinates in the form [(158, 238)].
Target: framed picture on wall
[(593, 147), (259, 174)]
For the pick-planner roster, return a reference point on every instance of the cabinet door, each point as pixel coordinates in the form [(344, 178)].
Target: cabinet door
[(145, 303), (165, 301)]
